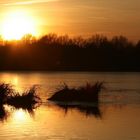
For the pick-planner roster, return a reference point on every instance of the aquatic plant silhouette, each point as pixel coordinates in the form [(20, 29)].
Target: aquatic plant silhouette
[(87, 93), (3, 113), (85, 98), (87, 110), (27, 100), (5, 91)]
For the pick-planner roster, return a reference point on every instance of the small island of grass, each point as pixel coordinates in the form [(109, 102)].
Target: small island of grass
[(87, 93), (26, 100)]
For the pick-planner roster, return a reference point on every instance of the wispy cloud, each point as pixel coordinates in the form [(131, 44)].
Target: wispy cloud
[(28, 2)]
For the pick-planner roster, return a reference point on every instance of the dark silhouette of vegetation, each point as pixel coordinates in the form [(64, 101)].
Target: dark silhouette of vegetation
[(3, 113), (87, 93), (28, 100), (5, 91), (87, 110), (52, 52)]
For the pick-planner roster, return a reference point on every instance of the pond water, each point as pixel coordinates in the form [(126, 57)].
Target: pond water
[(117, 116)]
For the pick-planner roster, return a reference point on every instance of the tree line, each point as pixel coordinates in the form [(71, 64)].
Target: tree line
[(64, 53)]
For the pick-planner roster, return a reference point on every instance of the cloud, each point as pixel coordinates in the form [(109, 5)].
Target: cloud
[(28, 2)]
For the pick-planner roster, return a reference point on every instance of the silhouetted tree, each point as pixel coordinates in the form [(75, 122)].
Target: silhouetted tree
[(53, 52)]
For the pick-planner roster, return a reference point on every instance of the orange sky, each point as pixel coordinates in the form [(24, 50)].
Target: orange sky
[(80, 17)]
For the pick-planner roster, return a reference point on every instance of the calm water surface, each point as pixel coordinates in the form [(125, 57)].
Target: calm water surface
[(117, 117)]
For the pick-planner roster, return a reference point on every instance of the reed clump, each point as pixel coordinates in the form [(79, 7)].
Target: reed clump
[(87, 93), (27, 100), (5, 91)]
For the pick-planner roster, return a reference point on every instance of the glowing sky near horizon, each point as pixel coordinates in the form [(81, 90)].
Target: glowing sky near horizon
[(80, 17)]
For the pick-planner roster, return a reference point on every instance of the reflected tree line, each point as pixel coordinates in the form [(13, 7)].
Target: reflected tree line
[(53, 52)]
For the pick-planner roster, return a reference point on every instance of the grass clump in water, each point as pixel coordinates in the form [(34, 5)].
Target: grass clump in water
[(27, 100), (5, 91), (87, 93)]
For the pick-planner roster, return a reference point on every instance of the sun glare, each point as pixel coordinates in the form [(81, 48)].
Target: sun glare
[(17, 24)]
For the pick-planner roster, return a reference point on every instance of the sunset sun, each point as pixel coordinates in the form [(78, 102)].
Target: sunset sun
[(17, 24)]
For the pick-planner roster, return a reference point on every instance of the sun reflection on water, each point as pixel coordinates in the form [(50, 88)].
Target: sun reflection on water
[(20, 116), (15, 80), (20, 122)]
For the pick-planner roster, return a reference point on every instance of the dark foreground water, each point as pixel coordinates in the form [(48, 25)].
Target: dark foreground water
[(117, 117)]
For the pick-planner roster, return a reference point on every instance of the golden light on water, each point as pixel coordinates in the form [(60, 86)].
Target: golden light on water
[(20, 116), (16, 83), (13, 80), (16, 24)]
